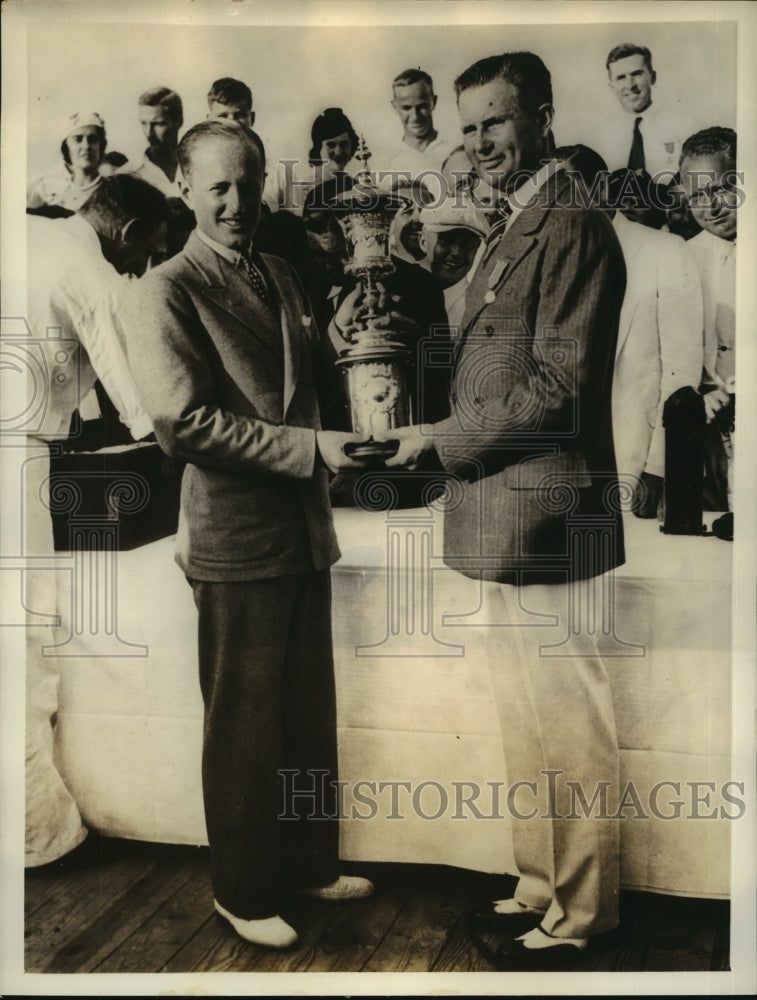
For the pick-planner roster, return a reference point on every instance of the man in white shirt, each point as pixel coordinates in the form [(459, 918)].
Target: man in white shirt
[(161, 116), (421, 148), (659, 347), (76, 272), (649, 137), (708, 173)]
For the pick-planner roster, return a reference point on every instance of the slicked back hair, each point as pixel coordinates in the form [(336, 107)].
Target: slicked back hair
[(216, 128), (410, 76), (523, 70), (626, 49), (709, 142), (166, 98)]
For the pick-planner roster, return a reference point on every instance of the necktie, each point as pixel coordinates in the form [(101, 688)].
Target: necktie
[(498, 220), (256, 280), (636, 156)]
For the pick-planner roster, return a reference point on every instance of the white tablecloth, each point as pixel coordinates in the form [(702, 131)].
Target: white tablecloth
[(414, 700)]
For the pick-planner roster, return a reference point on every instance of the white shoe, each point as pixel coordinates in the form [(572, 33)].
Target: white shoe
[(539, 940), (271, 932), (345, 887)]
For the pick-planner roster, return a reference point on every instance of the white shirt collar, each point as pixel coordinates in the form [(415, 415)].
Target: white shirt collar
[(522, 195), (232, 256)]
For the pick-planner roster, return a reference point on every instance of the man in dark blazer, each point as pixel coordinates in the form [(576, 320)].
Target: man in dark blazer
[(530, 438), (220, 348)]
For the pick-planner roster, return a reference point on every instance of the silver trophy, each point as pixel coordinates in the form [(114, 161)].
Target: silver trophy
[(374, 360)]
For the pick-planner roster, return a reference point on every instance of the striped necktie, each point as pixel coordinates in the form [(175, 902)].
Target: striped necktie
[(257, 281), (498, 220)]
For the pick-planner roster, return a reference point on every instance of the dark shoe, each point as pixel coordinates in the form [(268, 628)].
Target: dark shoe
[(511, 924), (513, 956)]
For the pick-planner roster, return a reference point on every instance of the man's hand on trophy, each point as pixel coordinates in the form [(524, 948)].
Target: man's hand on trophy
[(331, 449), (401, 325), (414, 441), (393, 316), (349, 317)]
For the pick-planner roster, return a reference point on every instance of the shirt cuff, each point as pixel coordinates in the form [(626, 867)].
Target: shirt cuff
[(140, 427)]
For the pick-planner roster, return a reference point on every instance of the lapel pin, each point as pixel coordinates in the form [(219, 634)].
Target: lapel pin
[(497, 271), (489, 297)]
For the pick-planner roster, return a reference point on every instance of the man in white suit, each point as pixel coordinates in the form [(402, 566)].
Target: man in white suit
[(659, 345), (659, 350)]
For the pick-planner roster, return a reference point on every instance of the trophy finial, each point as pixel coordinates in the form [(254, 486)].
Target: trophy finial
[(362, 155)]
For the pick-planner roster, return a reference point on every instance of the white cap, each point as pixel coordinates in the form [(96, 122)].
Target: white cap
[(454, 213), (79, 120)]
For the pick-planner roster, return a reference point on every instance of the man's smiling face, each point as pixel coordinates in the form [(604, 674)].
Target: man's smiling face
[(224, 190), (500, 137), (632, 80)]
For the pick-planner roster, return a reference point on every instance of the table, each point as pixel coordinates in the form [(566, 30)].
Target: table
[(414, 701)]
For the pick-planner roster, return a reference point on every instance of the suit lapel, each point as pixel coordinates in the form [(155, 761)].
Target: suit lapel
[(516, 243), (231, 296), (288, 324)]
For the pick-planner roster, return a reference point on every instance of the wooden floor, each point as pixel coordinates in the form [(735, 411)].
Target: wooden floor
[(134, 907)]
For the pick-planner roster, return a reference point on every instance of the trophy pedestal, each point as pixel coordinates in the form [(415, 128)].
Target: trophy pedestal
[(376, 387), (372, 452)]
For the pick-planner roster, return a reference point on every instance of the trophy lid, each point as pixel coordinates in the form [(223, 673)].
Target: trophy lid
[(365, 195)]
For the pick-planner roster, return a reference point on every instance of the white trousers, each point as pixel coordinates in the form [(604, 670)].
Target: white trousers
[(53, 823), (558, 727)]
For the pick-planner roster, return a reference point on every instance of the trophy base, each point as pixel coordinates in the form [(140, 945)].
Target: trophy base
[(377, 451)]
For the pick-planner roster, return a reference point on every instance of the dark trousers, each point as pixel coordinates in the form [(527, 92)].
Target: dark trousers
[(267, 679)]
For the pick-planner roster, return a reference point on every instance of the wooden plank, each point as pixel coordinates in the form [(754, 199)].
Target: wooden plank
[(155, 943), (43, 884), (113, 919), (66, 901), (460, 954), (421, 930), (217, 948), (148, 907), (337, 934), (348, 943), (311, 920), (214, 948)]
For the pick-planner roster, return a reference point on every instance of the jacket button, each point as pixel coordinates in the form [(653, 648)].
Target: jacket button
[(489, 331)]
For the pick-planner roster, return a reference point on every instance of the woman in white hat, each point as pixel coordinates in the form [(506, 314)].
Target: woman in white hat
[(70, 183)]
